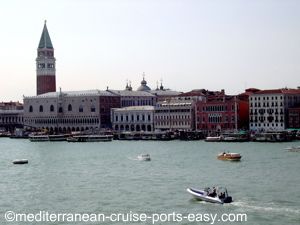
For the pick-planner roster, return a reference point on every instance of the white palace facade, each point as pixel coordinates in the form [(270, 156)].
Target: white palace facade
[(69, 111), (269, 108)]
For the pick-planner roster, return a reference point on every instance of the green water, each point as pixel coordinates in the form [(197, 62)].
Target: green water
[(105, 178)]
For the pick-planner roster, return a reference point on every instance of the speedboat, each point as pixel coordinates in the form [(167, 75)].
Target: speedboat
[(229, 156), (215, 195), (144, 157), (20, 161)]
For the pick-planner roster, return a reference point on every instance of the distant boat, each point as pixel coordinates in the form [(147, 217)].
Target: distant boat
[(229, 137), (57, 137), (144, 157), (279, 136), (35, 138), (229, 156), (5, 134), (20, 161), (241, 136), (91, 138), (213, 139), (293, 149)]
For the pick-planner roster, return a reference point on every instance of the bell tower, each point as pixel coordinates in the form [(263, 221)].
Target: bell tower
[(45, 64)]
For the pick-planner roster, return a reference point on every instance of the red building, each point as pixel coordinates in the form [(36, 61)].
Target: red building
[(220, 112), (107, 101), (45, 64), (294, 117)]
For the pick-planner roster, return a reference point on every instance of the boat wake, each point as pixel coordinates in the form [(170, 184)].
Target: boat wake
[(134, 159), (267, 208)]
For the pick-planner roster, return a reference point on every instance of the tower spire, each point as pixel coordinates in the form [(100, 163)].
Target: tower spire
[(161, 85), (45, 41), (45, 64)]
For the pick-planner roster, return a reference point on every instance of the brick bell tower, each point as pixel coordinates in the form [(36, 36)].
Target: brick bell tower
[(45, 65)]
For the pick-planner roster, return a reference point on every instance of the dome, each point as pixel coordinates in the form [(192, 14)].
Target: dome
[(144, 86)]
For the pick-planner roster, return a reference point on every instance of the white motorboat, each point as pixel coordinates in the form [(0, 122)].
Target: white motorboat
[(144, 157), (293, 149), (20, 161), (214, 139), (215, 195)]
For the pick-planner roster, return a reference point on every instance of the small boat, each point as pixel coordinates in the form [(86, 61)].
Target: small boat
[(90, 138), (229, 156), (20, 161), (101, 138), (215, 195), (293, 149), (144, 157), (213, 139), (74, 139)]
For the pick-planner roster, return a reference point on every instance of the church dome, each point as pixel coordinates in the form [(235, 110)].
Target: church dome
[(144, 86)]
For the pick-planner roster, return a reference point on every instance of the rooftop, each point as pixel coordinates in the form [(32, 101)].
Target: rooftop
[(278, 91), (125, 93), (165, 92), (95, 92)]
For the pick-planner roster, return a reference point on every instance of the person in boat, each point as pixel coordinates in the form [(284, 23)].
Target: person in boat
[(213, 193), (222, 195)]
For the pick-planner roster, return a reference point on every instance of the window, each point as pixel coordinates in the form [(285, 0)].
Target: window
[(69, 107), (30, 108), (41, 108), (51, 108), (93, 108), (80, 108), (60, 109)]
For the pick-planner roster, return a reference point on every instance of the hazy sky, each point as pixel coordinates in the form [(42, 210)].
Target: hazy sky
[(190, 44)]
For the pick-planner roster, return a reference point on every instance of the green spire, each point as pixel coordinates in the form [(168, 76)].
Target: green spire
[(45, 41)]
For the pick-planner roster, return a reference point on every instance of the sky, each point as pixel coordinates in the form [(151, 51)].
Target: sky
[(188, 44)]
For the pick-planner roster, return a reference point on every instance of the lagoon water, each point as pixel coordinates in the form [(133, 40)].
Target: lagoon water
[(66, 177)]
